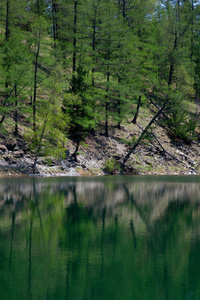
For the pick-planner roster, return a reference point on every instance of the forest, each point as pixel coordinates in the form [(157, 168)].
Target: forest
[(69, 67)]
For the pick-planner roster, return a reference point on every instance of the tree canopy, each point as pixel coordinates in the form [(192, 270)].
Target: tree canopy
[(108, 54)]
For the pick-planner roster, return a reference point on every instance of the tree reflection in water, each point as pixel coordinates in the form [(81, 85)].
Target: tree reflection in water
[(100, 238)]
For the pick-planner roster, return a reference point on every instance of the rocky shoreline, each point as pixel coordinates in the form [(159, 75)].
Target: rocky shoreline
[(149, 158)]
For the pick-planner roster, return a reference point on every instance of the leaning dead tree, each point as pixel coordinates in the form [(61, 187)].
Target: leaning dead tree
[(189, 167), (142, 135)]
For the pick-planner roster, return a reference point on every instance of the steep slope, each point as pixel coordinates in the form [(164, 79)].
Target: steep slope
[(98, 155)]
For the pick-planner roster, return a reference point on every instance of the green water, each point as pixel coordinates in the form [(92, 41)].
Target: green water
[(103, 238)]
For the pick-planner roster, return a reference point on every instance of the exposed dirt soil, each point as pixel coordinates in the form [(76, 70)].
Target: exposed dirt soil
[(157, 155)]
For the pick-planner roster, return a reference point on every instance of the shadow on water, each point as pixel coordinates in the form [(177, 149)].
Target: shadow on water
[(100, 238)]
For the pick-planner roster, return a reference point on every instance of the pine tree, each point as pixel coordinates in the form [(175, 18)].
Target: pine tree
[(174, 65), (113, 59), (14, 59)]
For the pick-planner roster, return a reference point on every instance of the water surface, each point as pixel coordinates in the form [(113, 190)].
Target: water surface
[(123, 237)]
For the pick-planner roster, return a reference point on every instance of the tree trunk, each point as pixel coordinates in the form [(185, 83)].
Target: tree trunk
[(119, 108), (142, 136), (74, 155), (172, 63), (107, 90), (134, 121), (119, 113), (93, 44), (35, 85), (7, 33), (54, 11), (74, 45), (7, 36), (124, 8), (39, 145), (16, 112), (2, 119), (106, 121)]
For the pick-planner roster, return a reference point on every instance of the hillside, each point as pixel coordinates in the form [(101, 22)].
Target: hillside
[(99, 155), (75, 73)]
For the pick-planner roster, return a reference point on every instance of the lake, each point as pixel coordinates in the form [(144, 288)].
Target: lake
[(112, 237)]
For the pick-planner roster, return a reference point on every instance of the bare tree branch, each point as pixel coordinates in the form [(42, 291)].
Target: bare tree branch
[(142, 135)]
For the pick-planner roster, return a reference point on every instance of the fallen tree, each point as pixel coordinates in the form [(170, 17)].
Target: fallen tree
[(141, 137)]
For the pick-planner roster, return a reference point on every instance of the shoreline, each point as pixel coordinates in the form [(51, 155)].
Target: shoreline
[(57, 172), (101, 156)]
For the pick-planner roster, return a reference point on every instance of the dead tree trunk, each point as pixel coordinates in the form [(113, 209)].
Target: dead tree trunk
[(142, 136)]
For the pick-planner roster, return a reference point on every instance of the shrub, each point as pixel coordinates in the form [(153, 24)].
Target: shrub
[(111, 166), (131, 141), (179, 122)]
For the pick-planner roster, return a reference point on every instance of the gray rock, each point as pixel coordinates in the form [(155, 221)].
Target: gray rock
[(3, 148), (18, 154)]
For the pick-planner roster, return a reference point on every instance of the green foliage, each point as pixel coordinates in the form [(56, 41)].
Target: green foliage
[(53, 142), (179, 123), (111, 166), (79, 114), (51, 220), (57, 151), (185, 82), (79, 107), (83, 144), (78, 84), (49, 137), (130, 142), (96, 67)]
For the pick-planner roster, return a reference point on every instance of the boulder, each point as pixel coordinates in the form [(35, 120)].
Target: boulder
[(18, 154), (3, 148)]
